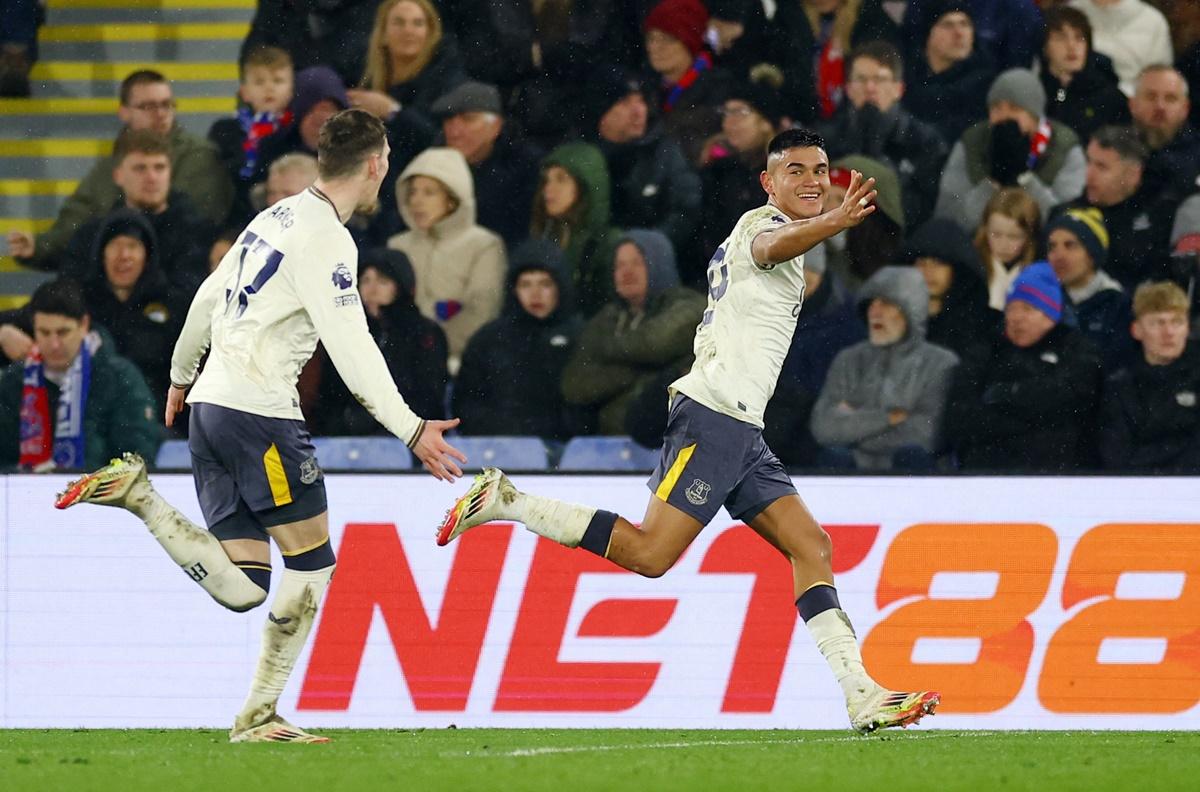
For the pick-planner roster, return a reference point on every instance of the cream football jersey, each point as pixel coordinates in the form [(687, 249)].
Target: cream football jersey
[(290, 280), (745, 333)]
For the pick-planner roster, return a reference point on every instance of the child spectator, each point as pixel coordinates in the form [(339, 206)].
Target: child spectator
[(1007, 239)]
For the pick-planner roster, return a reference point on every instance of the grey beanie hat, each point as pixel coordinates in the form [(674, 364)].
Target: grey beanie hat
[(1022, 88)]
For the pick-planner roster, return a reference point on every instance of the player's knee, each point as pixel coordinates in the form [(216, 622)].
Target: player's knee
[(310, 559), (809, 543)]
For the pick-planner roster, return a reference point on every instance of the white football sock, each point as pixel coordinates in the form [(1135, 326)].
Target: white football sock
[(835, 639), (554, 519), (291, 617), (195, 549)]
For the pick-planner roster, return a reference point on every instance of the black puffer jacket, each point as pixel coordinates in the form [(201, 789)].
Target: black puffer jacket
[(1150, 417)]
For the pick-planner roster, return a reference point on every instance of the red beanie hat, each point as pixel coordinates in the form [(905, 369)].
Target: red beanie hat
[(686, 20)]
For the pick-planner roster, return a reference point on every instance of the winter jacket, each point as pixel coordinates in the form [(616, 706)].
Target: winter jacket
[(965, 320), (510, 381), (621, 351), (505, 184), (1150, 417), (1176, 166), (1027, 409), (1139, 234), (731, 188), (459, 265), (1090, 101), (1133, 33), (590, 245), (443, 73), (967, 186), (695, 116), (952, 100), (332, 33), (913, 148), (195, 170), (1104, 314), (911, 375), (1010, 31), (143, 327), (121, 414), (653, 186)]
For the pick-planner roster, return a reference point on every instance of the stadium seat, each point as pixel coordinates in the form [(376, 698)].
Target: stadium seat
[(173, 455), (362, 453), (607, 453), (510, 453)]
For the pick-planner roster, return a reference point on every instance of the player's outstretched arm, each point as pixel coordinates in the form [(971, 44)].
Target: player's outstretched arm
[(799, 236), (436, 454)]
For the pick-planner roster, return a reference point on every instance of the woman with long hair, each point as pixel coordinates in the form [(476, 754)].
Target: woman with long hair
[(1006, 240)]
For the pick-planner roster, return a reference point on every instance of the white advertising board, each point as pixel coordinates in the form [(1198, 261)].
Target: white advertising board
[(1029, 603)]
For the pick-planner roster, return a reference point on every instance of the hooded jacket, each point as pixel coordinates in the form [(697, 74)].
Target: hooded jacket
[(459, 265), (589, 246), (1091, 100), (511, 372), (143, 327), (1104, 313), (620, 351), (1150, 417), (866, 382), (965, 320)]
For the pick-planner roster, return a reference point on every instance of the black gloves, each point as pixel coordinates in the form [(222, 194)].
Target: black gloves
[(1010, 153)]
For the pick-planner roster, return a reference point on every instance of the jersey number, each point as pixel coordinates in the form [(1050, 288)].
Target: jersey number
[(268, 260), (718, 281)]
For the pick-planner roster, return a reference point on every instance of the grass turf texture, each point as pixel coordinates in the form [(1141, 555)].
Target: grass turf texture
[(611, 759)]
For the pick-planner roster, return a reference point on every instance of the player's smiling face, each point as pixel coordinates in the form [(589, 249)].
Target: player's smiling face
[(797, 180)]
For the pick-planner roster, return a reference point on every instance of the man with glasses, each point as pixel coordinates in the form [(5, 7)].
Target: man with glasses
[(146, 102)]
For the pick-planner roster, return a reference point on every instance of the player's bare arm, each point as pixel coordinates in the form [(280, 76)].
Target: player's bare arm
[(801, 235)]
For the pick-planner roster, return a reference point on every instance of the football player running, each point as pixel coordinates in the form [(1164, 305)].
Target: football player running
[(288, 282), (713, 452)]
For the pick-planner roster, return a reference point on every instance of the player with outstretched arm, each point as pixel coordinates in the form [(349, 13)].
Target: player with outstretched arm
[(713, 451), (288, 282)]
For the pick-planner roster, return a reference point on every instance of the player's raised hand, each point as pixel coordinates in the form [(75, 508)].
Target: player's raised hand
[(175, 403), (859, 201), (436, 454)]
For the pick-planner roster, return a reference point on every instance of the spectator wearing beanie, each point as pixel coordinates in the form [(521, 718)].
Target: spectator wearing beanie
[(948, 76), (1008, 31), (653, 184), (690, 88), (872, 122), (879, 239), (809, 40), (1016, 146), (1028, 403), (1077, 248), (750, 117), (959, 316)]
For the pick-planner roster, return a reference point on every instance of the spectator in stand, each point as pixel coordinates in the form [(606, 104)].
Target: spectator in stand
[(1016, 146), (319, 95), (1160, 109), (809, 40), (146, 104), (504, 166), (1077, 248), (690, 88), (128, 294), (879, 239), (959, 317), (290, 174), (1150, 418), (828, 323), (882, 402), (873, 123), (1007, 240), (948, 77), (1185, 246), (331, 33), (18, 45), (1028, 404), (571, 210), (1134, 34), (653, 185), (459, 265), (1007, 30), (225, 240), (142, 172), (648, 326), (410, 64), (264, 107), (535, 336), (73, 403), (1080, 84), (750, 117), (1137, 216), (413, 346)]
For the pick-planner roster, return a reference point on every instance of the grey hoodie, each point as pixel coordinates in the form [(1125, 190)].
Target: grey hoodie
[(911, 375)]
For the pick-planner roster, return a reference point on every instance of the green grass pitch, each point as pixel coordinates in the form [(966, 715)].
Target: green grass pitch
[(567, 760)]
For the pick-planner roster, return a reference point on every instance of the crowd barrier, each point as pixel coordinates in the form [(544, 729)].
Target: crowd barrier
[(1028, 602)]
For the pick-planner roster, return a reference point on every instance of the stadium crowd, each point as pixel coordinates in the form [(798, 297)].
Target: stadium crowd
[(562, 170)]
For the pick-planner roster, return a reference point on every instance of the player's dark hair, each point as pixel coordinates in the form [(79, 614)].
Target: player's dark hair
[(883, 53), (1123, 140), (139, 77), (142, 141), (795, 138), (61, 296), (345, 142)]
